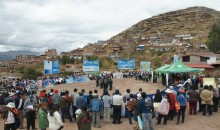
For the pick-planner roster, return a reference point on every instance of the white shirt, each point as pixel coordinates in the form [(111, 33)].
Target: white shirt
[(55, 121), (117, 100), (11, 118)]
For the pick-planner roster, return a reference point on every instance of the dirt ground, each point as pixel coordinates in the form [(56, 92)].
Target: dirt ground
[(195, 122)]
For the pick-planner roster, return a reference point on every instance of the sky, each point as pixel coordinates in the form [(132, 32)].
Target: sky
[(38, 25)]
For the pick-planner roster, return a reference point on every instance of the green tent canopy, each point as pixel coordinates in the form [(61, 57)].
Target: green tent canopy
[(179, 67), (162, 68)]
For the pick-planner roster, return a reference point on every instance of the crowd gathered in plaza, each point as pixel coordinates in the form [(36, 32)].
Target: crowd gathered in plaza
[(87, 108)]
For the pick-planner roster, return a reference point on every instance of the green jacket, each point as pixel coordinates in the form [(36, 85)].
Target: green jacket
[(42, 119), (84, 125)]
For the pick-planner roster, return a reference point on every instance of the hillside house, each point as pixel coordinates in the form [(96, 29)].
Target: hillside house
[(200, 60), (51, 53), (117, 48), (98, 51), (8, 63)]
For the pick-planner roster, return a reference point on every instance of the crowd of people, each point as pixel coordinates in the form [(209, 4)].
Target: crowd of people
[(86, 109)]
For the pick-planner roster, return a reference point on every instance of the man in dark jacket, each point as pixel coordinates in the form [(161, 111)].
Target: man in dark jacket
[(64, 104)]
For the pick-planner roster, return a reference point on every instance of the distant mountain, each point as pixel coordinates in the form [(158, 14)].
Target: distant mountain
[(11, 55)]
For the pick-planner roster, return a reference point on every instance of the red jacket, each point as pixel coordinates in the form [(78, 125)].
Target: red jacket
[(173, 100)]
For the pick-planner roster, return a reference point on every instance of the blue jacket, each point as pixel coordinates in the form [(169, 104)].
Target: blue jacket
[(142, 108), (81, 101), (96, 105), (182, 99)]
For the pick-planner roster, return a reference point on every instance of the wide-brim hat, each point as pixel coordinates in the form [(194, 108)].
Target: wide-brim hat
[(180, 85), (168, 91), (139, 96), (171, 87), (10, 105)]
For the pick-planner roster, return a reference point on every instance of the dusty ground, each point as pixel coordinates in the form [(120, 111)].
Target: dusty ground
[(197, 122)]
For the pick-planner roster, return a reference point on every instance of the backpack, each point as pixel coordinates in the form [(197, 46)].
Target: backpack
[(130, 105), (148, 102), (86, 119)]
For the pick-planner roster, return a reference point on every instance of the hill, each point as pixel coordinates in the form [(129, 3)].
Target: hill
[(193, 20)]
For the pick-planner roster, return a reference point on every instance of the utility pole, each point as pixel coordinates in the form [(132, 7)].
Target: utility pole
[(128, 50)]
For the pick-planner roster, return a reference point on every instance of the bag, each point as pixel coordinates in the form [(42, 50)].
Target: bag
[(187, 104), (148, 102), (86, 119), (177, 106), (130, 104), (164, 108), (140, 122)]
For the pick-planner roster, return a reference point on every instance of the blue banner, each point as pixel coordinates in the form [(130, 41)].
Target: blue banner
[(91, 65), (126, 64), (145, 66), (69, 80), (81, 79), (51, 67), (48, 82)]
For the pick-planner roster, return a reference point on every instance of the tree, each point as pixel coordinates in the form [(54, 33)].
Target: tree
[(213, 41), (92, 57), (31, 73), (65, 60)]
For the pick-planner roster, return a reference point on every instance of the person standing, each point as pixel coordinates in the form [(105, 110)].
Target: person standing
[(158, 96), (206, 99), (30, 107), (96, 107), (54, 118), (74, 97), (42, 116), (117, 104), (107, 107), (136, 113), (130, 107), (81, 101), (110, 82), (64, 104), (193, 98), (56, 97), (216, 99), (145, 109), (19, 104), (172, 99), (84, 120), (163, 110), (9, 117), (182, 99)]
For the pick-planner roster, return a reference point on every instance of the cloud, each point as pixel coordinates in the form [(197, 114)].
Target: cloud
[(67, 24)]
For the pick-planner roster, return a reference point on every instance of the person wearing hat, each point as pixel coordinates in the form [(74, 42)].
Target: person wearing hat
[(136, 111), (182, 99), (9, 117), (56, 97), (173, 91)]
